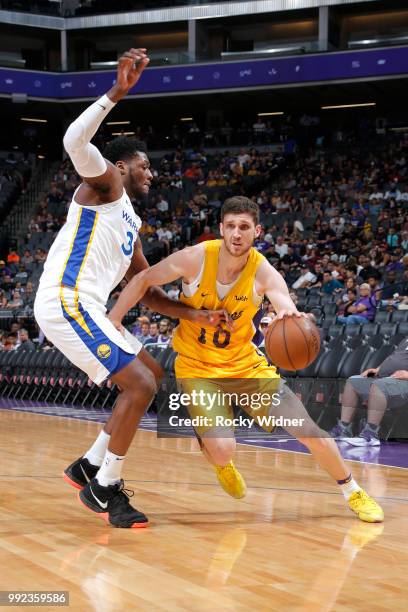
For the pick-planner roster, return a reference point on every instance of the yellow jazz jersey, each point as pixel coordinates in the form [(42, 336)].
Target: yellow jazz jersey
[(206, 352)]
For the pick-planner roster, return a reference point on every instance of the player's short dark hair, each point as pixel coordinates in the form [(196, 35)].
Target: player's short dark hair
[(240, 204), (123, 149)]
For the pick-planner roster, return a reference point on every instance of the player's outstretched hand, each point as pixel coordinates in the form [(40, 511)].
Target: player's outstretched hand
[(130, 67), (215, 318)]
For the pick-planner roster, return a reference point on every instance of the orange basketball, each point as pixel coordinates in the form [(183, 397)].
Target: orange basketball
[(292, 343)]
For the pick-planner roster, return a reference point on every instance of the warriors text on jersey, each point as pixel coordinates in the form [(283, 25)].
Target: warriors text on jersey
[(205, 351), (89, 257), (93, 250)]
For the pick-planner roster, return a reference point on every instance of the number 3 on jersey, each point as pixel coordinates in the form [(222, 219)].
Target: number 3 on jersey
[(128, 248)]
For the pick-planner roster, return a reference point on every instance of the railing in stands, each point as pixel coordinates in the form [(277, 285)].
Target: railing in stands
[(16, 222)]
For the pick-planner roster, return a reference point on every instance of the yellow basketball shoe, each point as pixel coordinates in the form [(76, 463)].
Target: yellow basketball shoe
[(231, 480), (365, 507)]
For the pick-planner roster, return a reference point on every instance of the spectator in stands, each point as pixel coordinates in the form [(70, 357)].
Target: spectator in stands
[(153, 334), (366, 270), (8, 284), (143, 335), (16, 302), (3, 299), (392, 238), (137, 327), (344, 305), (174, 292), (40, 256), (281, 247), (22, 275), (305, 279), (162, 206), (363, 310), (330, 284), (385, 387), (29, 294), (164, 235), (291, 260), (164, 337), (326, 237), (390, 286), (25, 343), (13, 257), (10, 342), (4, 270), (206, 235)]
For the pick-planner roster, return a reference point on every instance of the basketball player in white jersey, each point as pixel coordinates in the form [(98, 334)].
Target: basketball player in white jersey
[(95, 249)]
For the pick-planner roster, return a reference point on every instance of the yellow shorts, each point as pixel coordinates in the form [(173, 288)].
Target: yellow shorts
[(214, 391), (256, 366)]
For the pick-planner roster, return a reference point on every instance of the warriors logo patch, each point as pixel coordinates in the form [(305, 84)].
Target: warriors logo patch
[(104, 351)]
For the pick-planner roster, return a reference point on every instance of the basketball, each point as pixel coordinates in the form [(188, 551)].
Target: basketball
[(292, 343)]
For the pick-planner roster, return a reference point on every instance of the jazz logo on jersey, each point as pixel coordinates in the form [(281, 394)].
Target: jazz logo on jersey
[(104, 351)]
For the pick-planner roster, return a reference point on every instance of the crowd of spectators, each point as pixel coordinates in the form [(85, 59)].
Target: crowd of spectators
[(333, 224)]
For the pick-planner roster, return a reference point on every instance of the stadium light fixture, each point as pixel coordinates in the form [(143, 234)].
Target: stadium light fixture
[(349, 105), (123, 133), (186, 119), (270, 114), (118, 123), (33, 120)]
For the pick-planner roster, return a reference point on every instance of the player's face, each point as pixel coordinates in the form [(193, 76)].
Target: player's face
[(140, 177), (239, 232)]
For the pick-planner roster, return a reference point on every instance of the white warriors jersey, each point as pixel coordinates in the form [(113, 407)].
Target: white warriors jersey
[(93, 250)]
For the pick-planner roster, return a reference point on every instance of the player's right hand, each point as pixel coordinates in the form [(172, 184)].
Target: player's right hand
[(130, 67), (215, 318)]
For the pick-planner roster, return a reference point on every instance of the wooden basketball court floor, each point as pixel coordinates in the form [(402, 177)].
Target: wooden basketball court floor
[(290, 544)]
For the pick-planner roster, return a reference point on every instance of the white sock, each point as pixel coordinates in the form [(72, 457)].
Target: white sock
[(98, 449), (110, 470), (348, 487)]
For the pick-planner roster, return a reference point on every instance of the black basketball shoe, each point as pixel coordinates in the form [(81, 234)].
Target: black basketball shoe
[(79, 473), (112, 504)]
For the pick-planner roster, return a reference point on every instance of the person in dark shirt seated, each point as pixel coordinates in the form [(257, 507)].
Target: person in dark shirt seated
[(330, 284), (363, 310), (384, 388), (367, 270)]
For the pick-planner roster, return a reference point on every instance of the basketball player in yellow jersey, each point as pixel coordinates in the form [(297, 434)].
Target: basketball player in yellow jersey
[(230, 274)]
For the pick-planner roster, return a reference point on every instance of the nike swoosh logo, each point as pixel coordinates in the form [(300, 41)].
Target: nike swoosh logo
[(85, 474), (256, 366), (104, 107), (205, 294), (103, 505)]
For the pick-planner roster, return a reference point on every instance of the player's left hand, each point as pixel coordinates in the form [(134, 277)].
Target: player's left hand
[(400, 374), (215, 318)]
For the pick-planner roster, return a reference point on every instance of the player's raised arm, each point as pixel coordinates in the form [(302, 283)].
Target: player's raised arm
[(182, 264), (271, 283), (97, 172), (157, 299)]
